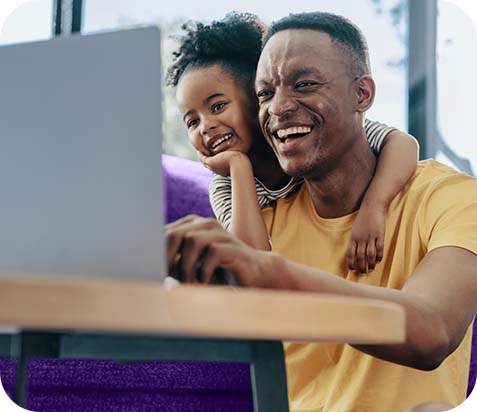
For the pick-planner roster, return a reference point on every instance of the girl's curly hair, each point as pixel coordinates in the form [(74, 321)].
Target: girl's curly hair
[(234, 43)]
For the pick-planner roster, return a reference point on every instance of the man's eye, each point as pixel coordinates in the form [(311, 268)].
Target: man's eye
[(264, 94), (216, 107), (303, 84), (191, 123)]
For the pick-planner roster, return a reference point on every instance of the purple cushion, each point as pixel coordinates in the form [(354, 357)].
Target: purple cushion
[(59, 385), (186, 186)]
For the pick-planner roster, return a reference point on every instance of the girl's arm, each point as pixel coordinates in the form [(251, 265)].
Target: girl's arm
[(246, 221), (396, 164)]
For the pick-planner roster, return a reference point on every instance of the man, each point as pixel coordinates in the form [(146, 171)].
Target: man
[(313, 86)]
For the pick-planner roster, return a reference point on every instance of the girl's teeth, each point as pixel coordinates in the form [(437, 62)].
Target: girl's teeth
[(221, 140)]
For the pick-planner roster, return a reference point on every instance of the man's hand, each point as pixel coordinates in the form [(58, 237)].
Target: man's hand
[(366, 245), (197, 247), (221, 163)]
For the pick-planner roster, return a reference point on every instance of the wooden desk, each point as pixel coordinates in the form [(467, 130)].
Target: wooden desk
[(140, 320)]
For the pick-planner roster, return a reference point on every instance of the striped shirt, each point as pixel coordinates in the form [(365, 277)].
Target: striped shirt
[(220, 190)]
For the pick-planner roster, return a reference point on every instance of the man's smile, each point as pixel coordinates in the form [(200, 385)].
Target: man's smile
[(289, 137), (290, 144), (292, 132)]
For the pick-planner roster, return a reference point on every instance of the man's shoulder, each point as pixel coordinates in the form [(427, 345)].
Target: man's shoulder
[(431, 173), (436, 186), (430, 167), (442, 204)]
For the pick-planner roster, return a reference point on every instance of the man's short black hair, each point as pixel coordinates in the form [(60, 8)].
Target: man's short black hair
[(343, 33)]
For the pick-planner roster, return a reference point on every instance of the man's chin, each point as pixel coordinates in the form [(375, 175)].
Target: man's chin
[(294, 169)]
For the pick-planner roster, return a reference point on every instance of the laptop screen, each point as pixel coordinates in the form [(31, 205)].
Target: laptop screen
[(80, 158)]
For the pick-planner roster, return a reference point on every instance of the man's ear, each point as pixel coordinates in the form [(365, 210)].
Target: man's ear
[(365, 91)]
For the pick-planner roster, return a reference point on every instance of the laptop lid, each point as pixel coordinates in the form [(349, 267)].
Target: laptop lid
[(80, 157)]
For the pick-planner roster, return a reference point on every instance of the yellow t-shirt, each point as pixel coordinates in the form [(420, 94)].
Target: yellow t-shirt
[(437, 208)]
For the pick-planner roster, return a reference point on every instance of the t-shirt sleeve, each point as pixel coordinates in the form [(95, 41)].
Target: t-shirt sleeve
[(375, 134), (448, 214), (220, 197)]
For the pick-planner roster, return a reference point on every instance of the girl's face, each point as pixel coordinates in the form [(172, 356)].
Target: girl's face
[(218, 113)]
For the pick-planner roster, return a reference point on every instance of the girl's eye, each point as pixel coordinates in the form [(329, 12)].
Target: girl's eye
[(217, 106), (191, 123)]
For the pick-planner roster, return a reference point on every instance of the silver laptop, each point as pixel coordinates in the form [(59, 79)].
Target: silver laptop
[(80, 156)]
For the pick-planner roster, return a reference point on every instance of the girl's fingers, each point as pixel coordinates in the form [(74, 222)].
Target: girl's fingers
[(351, 255), (361, 257), (379, 249), (371, 254)]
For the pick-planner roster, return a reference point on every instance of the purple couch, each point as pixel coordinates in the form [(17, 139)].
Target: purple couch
[(60, 385)]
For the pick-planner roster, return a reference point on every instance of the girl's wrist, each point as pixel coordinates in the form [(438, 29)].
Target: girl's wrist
[(239, 160), (374, 205)]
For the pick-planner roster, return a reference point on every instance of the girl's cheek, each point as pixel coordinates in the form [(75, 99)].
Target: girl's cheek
[(196, 142)]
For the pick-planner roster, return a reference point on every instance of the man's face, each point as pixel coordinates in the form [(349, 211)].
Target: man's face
[(307, 101)]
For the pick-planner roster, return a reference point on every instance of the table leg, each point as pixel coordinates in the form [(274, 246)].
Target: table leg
[(31, 344), (5, 344), (267, 367)]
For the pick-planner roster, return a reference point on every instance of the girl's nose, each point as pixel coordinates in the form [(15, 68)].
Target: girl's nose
[(207, 124)]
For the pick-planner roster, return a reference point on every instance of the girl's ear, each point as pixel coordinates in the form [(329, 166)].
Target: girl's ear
[(365, 91)]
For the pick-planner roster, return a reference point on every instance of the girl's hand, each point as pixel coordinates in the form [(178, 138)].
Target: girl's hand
[(221, 162), (366, 243)]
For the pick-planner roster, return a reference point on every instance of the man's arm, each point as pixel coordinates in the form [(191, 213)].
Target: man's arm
[(442, 302), (439, 298)]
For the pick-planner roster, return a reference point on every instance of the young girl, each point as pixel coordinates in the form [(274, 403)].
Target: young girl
[(214, 72)]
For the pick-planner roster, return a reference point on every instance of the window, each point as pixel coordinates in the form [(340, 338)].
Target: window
[(25, 20), (456, 85)]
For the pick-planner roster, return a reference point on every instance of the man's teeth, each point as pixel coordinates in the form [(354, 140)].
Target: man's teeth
[(283, 133), (221, 140)]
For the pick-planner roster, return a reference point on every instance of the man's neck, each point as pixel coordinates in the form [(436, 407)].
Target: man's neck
[(340, 190)]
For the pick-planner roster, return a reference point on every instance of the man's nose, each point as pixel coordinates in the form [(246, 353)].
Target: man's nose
[(282, 103)]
